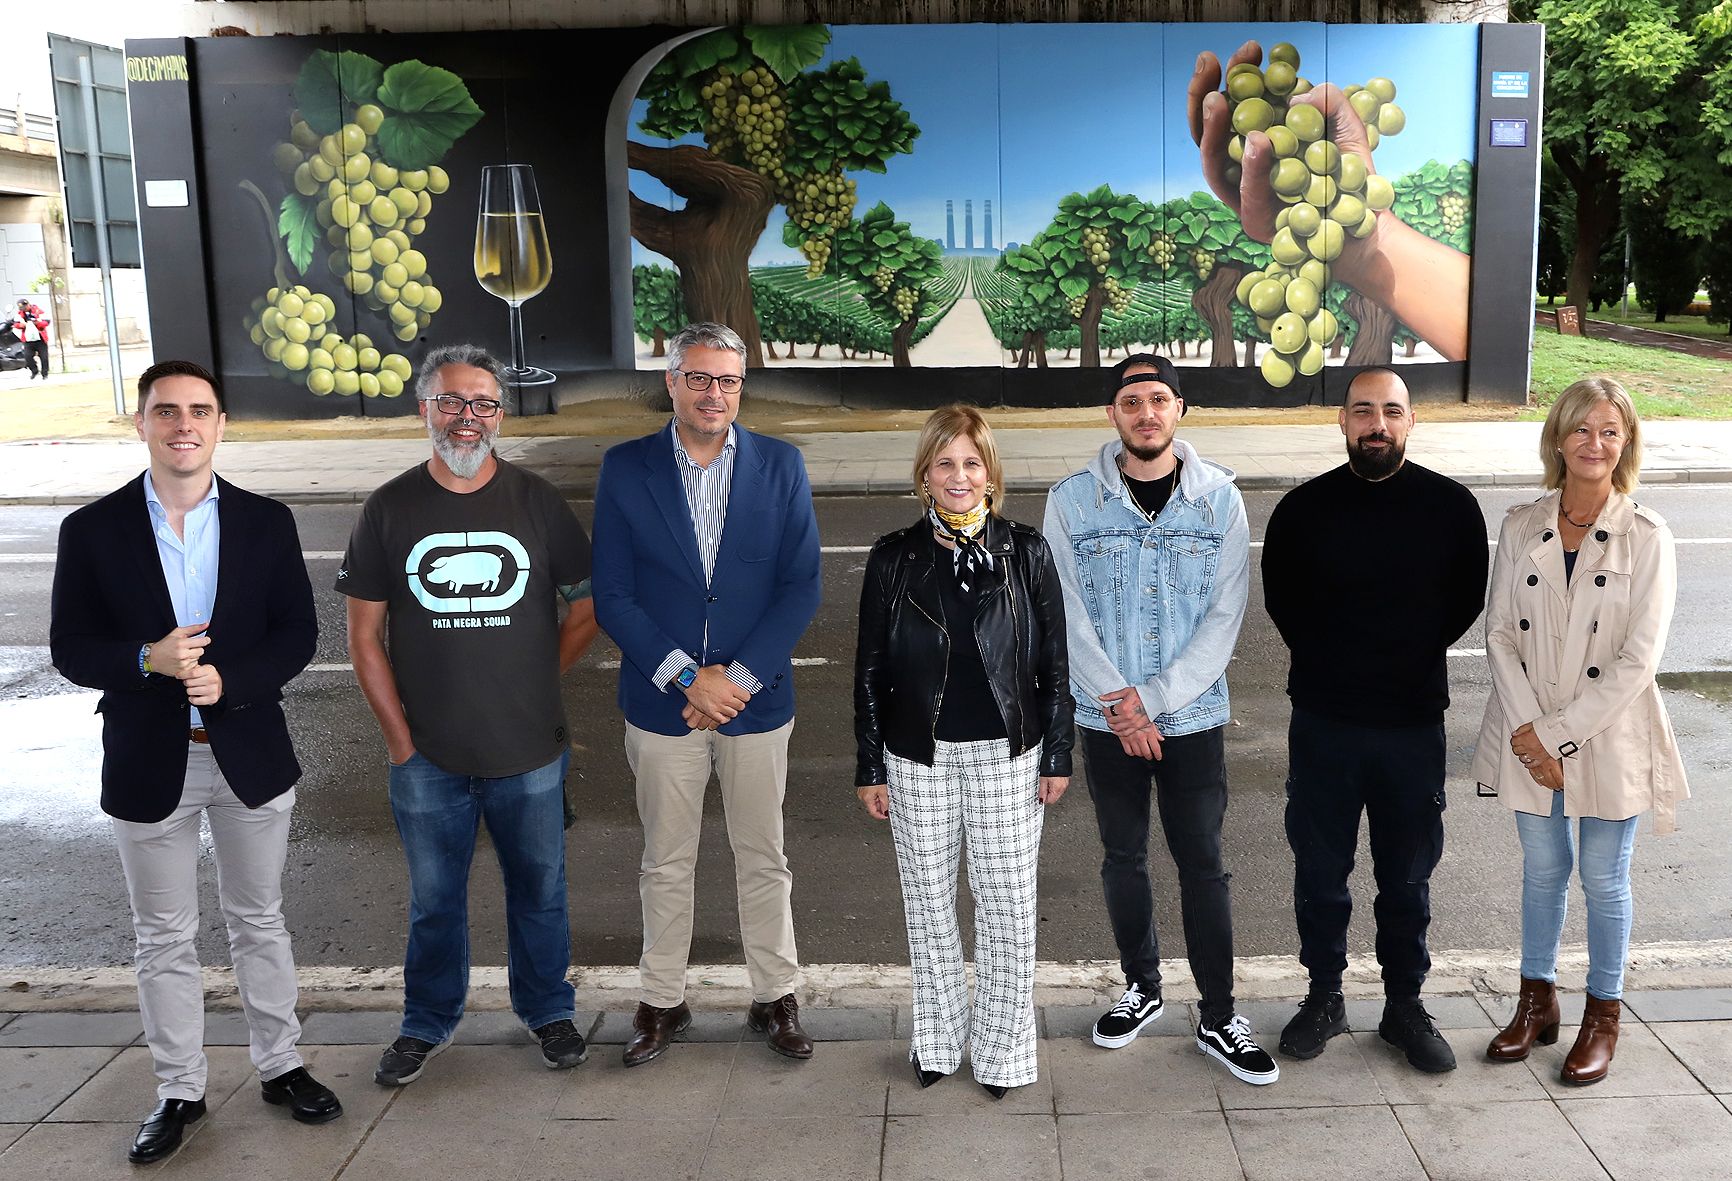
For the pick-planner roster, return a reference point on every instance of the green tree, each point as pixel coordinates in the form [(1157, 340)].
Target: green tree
[(1202, 237), (1665, 262), (1037, 309), (777, 131), (894, 269), (1097, 248), (656, 306), (1637, 100)]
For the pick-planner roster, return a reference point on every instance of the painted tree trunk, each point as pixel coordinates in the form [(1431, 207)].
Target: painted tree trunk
[(661, 343), (1214, 304), (1091, 328), (1374, 345), (900, 340)]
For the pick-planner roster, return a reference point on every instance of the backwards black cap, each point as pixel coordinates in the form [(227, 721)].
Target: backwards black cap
[(1165, 372)]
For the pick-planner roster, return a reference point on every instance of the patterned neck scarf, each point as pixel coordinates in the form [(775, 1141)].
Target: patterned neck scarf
[(965, 529)]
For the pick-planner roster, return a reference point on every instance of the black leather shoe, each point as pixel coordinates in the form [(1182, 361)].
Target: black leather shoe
[(995, 1090), (926, 1077), (780, 1021), (308, 1100), (159, 1134)]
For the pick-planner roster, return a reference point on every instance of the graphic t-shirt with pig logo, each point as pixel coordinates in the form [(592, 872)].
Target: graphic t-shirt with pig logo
[(471, 581)]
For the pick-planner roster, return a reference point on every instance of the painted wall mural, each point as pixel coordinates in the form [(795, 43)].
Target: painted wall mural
[(1278, 197), (890, 215)]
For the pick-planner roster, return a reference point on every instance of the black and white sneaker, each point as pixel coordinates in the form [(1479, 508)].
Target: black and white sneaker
[(1229, 1043), (1120, 1024), (562, 1047), (403, 1061)]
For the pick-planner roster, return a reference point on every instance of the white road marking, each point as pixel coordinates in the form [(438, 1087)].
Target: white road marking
[(1467, 651)]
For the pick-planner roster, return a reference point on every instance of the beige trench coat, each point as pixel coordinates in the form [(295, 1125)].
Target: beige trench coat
[(1578, 658)]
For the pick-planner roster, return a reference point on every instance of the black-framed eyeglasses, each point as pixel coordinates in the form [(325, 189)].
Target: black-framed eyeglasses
[(698, 382), (455, 404)]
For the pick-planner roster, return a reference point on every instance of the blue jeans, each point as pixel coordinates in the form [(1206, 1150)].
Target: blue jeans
[(1548, 847), (438, 814)]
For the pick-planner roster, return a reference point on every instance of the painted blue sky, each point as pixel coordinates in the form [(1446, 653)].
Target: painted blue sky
[(1023, 114)]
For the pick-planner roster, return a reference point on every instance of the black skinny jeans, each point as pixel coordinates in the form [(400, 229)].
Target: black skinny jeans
[(1190, 788), (1337, 770)]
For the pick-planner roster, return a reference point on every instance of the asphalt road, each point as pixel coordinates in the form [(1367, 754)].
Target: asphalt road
[(62, 897)]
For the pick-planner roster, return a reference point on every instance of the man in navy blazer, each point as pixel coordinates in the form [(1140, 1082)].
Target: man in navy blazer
[(706, 576), (185, 600)]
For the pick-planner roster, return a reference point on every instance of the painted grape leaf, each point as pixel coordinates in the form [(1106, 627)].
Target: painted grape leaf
[(426, 110), (788, 49), (329, 80), (298, 223)]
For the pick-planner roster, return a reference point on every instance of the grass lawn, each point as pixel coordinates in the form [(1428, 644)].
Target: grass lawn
[(1682, 325), (1663, 384)]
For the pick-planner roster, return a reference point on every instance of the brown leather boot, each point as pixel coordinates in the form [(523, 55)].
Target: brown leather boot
[(1591, 1057), (1536, 1020)]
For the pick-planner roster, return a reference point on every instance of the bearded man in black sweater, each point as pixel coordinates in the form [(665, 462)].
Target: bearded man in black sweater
[(1370, 572)]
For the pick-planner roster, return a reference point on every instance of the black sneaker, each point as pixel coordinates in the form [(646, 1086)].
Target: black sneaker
[(1408, 1027), (1321, 1016), (1229, 1043), (1120, 1024), (562, 1047), (403, 1061)]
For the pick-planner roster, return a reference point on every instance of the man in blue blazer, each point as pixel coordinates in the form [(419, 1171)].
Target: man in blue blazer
[(706, 575), (185, 600)]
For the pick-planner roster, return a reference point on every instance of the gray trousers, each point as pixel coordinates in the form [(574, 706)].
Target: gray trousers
[(161, 864)]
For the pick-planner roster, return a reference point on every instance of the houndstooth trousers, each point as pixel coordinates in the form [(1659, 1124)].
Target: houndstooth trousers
[(977, 789)]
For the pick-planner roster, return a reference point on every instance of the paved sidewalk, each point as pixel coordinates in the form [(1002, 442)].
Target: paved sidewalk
[(345, 470), (74, 1085)]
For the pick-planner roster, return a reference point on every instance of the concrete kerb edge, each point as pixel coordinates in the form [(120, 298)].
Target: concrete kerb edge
[(1482, 973)]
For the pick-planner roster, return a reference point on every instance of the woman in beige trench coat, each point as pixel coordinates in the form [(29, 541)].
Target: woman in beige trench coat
[(1582, 593)]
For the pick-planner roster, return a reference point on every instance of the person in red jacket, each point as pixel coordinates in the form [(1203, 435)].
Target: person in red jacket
[(30, 325)]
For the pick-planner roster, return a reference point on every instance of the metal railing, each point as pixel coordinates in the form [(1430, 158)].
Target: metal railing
[(27, 125)]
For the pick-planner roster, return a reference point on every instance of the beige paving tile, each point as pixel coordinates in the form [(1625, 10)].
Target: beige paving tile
[(11, 1132), (34, 1081), (1343, 1142), (960, 1094), (620, 1150), (966, 1147), (1521, 1141), (72, 1029), (482, 1081), (348, 1070), (125, 1089), (1475, 1079), (447, 1149), (1339, 1077), (1656, 1138), (687, 1082), (1642, 1066), (226, 1149), (1166, 1146), (842, 1078), (74, 1152), (794, 1149), (1151, 1074), (1705, 1047)]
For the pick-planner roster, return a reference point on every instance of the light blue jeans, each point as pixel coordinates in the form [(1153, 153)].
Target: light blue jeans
[(1548, 848)]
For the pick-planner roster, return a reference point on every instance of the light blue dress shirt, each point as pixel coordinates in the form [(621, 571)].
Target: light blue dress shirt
[(189, 562)]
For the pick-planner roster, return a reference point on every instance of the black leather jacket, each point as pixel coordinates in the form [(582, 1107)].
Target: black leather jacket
[(903, 653)]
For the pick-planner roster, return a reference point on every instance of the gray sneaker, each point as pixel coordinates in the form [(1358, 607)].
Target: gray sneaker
[(403, 1061)]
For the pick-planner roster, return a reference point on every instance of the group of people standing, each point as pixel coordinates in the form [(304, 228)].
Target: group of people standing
[(988, 650)]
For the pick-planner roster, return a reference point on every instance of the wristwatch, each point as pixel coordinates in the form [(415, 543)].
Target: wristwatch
[(688, 675), (144, 669)]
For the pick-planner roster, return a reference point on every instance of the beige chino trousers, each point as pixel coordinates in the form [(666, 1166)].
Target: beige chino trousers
[(673, 775)]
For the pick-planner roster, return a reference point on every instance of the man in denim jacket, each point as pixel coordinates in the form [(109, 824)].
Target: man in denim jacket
[(1153, 552)]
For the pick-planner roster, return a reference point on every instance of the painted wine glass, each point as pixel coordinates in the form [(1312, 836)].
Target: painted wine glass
[(512, 258)]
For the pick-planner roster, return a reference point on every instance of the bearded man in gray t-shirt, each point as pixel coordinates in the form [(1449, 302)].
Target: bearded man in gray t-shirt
[(453, 576)]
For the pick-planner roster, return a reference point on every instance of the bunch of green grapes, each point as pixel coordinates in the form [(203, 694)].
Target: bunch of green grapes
[(1203, 262), (1118, 296), (1164, 249), (1452, 207), (882, 278), (819, 205), (1097, 248), (1328, 195), (371, 213), (903, 300), (1076, 306), (747, 124), (292, 327)]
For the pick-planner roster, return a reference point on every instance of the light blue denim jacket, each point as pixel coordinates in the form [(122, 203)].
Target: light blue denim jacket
[(1154, 604)]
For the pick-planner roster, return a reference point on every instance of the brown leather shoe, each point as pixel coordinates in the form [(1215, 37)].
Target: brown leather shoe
[(1536, 1020), (780, 1019), (1591, 1057), (652, 1030)]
